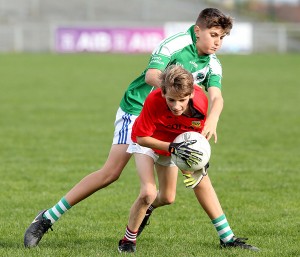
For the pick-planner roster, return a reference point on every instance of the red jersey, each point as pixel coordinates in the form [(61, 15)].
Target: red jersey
[(157, 121)]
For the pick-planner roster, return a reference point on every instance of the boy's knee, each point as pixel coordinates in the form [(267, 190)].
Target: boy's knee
[(166, 200), (113, 176), (106, 176), (147, 197)]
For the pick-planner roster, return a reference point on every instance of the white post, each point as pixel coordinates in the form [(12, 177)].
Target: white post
[(18, 38), (282, 39), (52, 39)]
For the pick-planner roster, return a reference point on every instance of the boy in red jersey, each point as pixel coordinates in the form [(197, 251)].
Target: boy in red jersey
[(168, 112)]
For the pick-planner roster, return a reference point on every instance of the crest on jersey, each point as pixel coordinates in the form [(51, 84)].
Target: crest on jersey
[(200, 76), (196, 124)]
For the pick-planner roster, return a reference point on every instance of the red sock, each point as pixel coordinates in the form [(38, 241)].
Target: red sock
[(130, 235)]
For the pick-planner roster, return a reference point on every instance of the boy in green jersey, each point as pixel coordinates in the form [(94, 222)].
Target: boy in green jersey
[(195, 51)]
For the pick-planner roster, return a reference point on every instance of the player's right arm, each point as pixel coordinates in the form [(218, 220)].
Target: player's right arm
[(160, 59), (152, 77), (216, 107), (153, 143), (182, 149)]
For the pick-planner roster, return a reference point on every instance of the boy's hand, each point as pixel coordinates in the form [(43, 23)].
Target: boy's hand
[(193, 179), (210, 129), (183, 151)]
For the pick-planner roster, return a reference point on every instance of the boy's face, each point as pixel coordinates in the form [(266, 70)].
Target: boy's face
[(209, 40), (177, 104)]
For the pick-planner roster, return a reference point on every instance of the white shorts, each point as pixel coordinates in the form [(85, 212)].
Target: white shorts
[(157, 158), (123, 126)]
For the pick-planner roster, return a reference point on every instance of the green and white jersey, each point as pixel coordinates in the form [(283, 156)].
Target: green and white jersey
[(179, 49)]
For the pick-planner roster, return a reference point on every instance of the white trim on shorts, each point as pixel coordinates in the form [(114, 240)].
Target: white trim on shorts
[(123, 127), (157, 158)]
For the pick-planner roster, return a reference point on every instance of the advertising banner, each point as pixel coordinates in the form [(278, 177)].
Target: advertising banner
[(120, 40)]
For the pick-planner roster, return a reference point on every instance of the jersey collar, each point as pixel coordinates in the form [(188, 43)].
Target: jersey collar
[(194, 39), (191, 31)]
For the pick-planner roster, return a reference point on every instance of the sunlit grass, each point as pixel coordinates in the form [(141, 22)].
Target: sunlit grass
[(56, 126)]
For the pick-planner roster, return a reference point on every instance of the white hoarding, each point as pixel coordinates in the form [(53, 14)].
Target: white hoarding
[(239, 41)]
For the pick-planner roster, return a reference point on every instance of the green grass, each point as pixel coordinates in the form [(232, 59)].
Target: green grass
[(56, 125)]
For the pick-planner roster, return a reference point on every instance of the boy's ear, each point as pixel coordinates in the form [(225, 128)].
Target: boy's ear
[(162, 94), (192, 95), (196, 30)]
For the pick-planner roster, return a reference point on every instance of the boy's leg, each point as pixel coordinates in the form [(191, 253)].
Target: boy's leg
[(110, 172), (145, 169), (115, 163), (117, 160), (167, 178), (209, 201)]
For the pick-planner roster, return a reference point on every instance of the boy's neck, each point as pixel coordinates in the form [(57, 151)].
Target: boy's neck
[(188, 111), (192, 112)]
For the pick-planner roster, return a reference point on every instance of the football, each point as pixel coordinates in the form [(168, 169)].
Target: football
[(201, 145)]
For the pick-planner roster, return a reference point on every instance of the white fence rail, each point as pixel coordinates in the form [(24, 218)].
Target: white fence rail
[(34, 37)]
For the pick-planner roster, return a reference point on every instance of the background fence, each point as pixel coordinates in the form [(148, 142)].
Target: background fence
[(30, 25), (34, 37)]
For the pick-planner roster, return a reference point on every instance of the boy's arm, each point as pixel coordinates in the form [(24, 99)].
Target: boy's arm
[(216, 106), (152, 77), (153, 143)]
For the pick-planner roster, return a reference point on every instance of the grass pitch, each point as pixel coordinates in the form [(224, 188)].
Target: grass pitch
[(56, 125)]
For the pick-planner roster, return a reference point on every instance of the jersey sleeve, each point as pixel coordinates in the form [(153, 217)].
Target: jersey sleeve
[(214, 76), (145, 122), (160, 58), (166, 52)]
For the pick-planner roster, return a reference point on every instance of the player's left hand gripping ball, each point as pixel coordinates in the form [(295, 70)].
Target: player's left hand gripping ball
[(193, 179)]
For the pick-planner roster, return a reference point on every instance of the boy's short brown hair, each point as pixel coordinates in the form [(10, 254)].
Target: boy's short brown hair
[(178, 79), (212, 17)]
